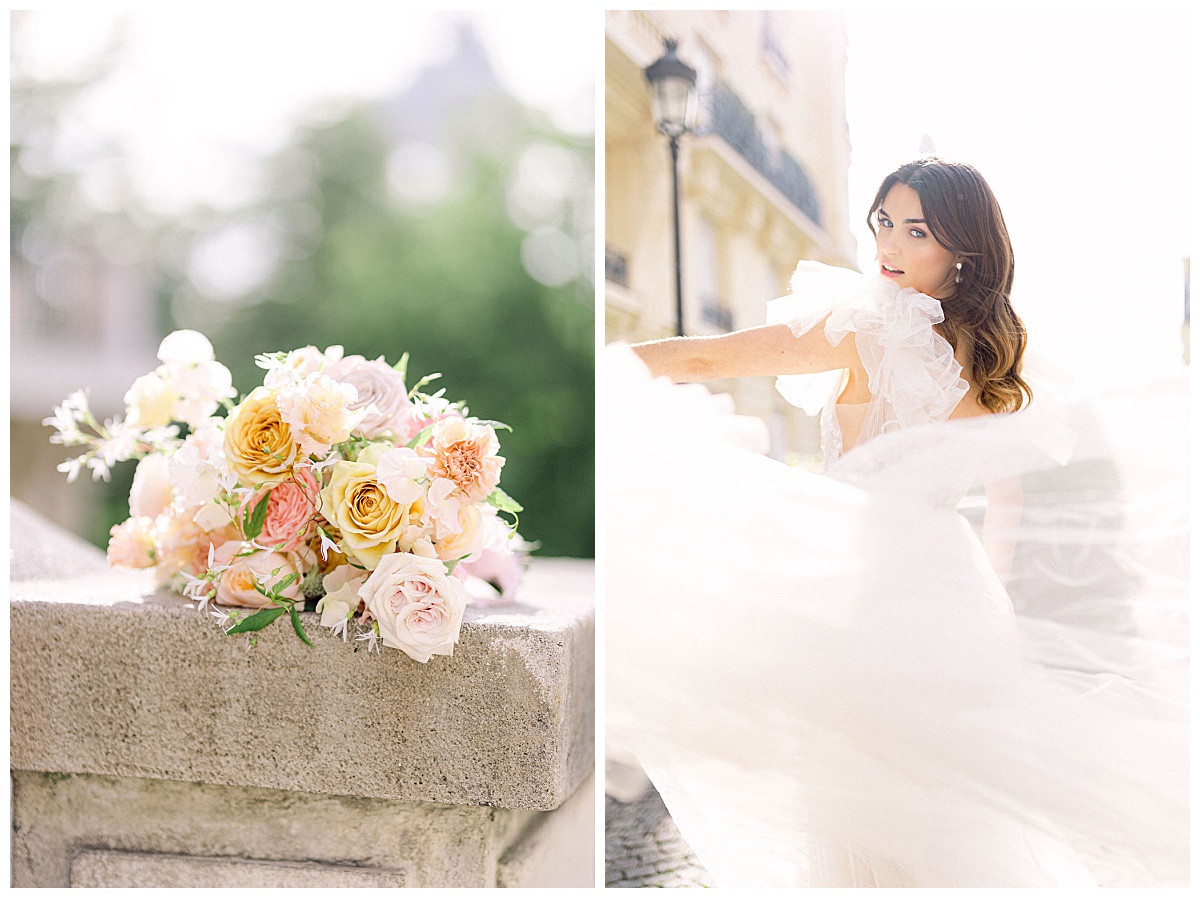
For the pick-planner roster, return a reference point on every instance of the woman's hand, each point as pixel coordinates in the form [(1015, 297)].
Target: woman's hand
[(769, 350)]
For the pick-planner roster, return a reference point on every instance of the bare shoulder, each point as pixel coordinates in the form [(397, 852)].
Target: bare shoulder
[(970, 407)]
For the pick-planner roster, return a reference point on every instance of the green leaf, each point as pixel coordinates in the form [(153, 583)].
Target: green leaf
[(253, 524), (284, 583), (504, 501), (401, 366), (298, 628), (420, 439), (258, 620)]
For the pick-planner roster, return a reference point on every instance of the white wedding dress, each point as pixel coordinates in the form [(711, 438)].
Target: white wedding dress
[(826, 677)]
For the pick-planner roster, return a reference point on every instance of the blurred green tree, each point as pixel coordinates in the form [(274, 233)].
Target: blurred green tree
[(356, 267)]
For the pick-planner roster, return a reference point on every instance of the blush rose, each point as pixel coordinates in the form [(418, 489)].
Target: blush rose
[(418, 607)]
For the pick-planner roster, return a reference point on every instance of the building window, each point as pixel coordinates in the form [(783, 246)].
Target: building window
[(714, 305), (705, 62), (773, 44), (616, 266)]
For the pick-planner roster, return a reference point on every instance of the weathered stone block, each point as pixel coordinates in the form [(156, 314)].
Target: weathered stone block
[(130, 710)]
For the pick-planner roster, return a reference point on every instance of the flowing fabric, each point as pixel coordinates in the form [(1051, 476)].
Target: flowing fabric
[(856, 679)]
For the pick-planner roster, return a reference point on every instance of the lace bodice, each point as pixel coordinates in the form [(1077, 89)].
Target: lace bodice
[(912, 375)]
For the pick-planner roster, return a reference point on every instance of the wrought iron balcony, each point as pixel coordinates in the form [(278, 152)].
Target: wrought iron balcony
[(729, 119), (616, 267), (712, 312)]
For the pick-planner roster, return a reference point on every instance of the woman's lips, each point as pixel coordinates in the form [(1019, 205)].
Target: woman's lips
[(889, 274)]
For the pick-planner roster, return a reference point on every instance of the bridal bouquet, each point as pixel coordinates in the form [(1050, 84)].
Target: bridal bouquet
[(332, 484)]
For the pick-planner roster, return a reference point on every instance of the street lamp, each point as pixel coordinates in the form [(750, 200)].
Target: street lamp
[(673, 105)]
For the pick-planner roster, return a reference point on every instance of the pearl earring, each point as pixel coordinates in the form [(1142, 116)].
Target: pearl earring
[(958, 276)]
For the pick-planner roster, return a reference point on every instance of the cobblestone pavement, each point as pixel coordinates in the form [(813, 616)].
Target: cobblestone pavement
[(642, 847)]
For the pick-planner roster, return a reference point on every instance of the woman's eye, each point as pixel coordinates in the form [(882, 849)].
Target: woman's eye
[(916, 232), (883, 222)]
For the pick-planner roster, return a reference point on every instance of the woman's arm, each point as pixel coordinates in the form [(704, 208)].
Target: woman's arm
[(758, 351)]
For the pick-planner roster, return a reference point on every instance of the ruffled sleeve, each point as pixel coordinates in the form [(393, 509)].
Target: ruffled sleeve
[(912, 374)]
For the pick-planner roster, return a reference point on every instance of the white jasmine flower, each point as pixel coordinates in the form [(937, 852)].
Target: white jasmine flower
[(371, 638)]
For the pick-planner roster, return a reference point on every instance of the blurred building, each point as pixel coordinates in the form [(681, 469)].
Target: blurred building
[(763, 180)]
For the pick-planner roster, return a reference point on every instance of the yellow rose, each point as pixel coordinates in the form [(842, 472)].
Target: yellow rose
[(370, 521), (258, 445)]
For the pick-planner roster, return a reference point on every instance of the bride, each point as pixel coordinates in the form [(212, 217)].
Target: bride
[(959, 658)]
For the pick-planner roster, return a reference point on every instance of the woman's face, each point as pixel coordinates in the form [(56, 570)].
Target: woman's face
[(905, 248)]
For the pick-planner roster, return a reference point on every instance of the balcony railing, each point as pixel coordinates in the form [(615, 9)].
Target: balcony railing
[(712, 312), (729, 119), (616, 267)]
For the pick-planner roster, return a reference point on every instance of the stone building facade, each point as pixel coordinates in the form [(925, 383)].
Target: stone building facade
[(763, 180)]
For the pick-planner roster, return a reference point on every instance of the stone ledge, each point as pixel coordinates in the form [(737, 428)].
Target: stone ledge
[(119, 869), (110, 677)]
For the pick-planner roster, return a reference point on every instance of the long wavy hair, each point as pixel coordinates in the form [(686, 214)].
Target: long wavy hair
[(964, 217)]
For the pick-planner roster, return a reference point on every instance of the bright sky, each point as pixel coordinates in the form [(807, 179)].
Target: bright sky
[(197, 88), (1080, 123)]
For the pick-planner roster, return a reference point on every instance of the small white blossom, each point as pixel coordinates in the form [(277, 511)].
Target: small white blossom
[(371, 638)]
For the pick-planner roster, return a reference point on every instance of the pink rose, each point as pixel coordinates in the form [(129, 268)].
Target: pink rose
[(419, 609), (290, 507), (236, 584), (131, 544)]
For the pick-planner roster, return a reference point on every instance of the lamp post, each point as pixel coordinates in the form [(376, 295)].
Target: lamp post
[(673, 105)]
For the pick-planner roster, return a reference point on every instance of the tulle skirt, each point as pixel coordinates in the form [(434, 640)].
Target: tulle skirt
[(833, 683)]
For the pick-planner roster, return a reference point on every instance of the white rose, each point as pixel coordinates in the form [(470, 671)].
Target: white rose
[(381, 392), (151, 491), (185, 347), (149, 401), (418, 607)]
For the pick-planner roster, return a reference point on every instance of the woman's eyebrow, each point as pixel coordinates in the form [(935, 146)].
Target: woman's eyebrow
[(906, 221)]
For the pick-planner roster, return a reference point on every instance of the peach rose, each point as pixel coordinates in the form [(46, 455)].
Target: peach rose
[(182, 543), (371, 522), (131, 544), (466, 454), (419, 609), (236, 584), (290, 506), (467, 543), (258, 444)]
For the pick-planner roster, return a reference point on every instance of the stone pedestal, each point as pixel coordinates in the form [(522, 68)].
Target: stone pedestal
[(147, 748)]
